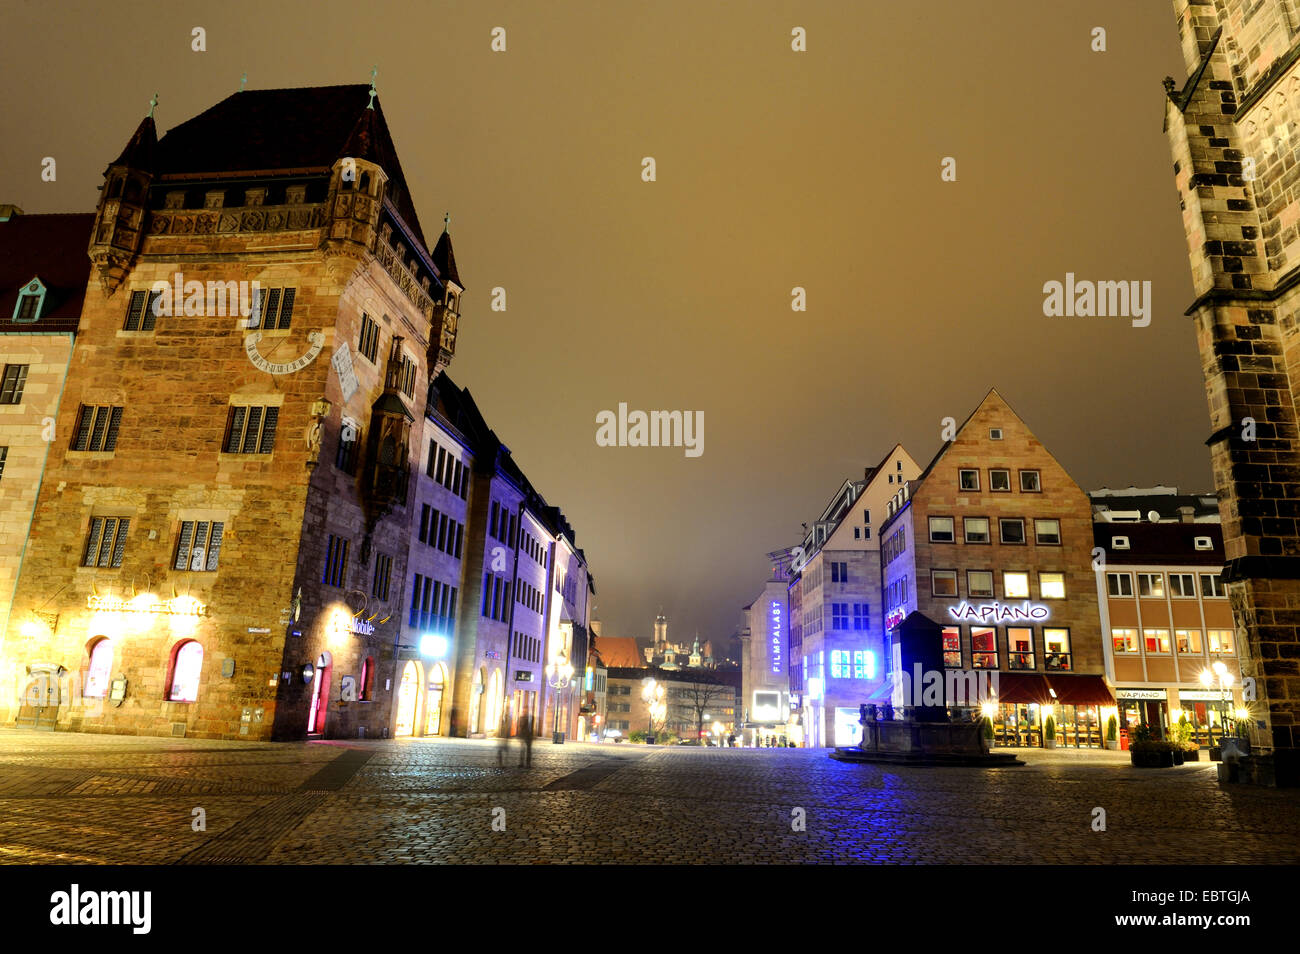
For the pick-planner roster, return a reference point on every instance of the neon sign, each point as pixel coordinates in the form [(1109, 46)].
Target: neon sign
[(775, 622), (999, 612), (894, 617), (180, 606)]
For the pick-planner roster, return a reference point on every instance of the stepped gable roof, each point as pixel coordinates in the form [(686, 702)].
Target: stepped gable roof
[(303, 130), (53, 249)]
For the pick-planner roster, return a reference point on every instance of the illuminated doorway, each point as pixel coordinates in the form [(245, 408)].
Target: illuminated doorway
[(408, 699), (492, 726), (433, 702), (476, 704), (320, 695)]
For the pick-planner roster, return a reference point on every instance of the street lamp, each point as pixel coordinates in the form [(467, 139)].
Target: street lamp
[(1225, 686), (558, 674), (653, 695)]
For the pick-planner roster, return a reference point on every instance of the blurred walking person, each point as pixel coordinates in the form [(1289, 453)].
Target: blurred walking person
[(503, 735), (526, 736)]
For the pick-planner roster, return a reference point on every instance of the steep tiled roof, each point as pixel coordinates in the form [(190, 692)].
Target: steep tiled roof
[(1160, 543), (53, 249), (306, 129), (445, 259), (619, 652)]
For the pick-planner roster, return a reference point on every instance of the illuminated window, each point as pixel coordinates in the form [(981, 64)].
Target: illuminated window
[(1151, 584), (840, 664), (1188, 640), (1051, 586), (1156, 640), (1056, 645), (943, 582), (979, 582), (1015, 585), (1119, 584), (186, 667), (984, 648), (976, 529), (1047, 533), (1220, 641), (1211, 585), (941, 530), (864, 664), (952, 647), (1020, 648), (100, 669), (1000, 481), (1124, 640)]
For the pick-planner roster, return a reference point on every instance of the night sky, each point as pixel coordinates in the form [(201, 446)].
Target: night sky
[(775, 169)]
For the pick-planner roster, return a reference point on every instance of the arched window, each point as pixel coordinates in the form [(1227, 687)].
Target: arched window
[(100, 669), (187, 663), (367, 678)]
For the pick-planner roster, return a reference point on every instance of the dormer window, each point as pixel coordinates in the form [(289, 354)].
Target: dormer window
[(1203, 543), (30, 300), (1119, 543)]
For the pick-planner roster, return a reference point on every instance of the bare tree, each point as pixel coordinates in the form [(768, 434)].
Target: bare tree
[(699, 695)]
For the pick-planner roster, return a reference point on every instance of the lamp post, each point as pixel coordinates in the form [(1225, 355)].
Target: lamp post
[(653, 695), (558, 674), (1225, 680)]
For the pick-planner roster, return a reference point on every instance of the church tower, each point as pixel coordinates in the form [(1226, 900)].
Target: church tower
[(1232, 129)]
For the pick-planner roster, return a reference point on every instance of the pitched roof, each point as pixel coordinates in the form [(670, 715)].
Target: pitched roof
[(445, 259), (53, 249), (305, 129), (619, 652), (1160, 543), (141, 149)]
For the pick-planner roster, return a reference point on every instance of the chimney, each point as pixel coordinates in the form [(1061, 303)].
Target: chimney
[(1186, 514)]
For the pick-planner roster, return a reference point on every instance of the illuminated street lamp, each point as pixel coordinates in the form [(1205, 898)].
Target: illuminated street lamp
[(653, 695), (1225, 685), (558, 674)]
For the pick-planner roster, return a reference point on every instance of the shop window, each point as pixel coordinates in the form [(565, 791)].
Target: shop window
[(1011, 530), (1156, 640), (1047, 533), (979, 582), (1119, 584), (1051, 586), (1000, 481), (968, 479), (1056, 648), (1152, 585), (952, 647), (975, 529), (1020, 648), (1124, 640), (100, 669), (1212, 586), (1015, 585), (1029, 482), (984, 648), (1182, 585), (943, 582), (941, 530), (187, 664), (1188, 641), (1220, 641)]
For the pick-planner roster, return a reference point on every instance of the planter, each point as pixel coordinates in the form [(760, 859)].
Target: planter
[(1142, 759), (1112, 745), (1049, 743), (1192, 755), (1178, 756)]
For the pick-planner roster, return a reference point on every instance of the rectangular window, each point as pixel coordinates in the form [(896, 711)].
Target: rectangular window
[(4, 455), (1188, 641), (1051, 586), (1124, 640), (839, 572), (839, 616), (12, 384), (941, 530), (968, 479), (27, 305), (1219, 641), (1011, 530), (442, 532), (861, 616), (1047, 533), (199, 546), (841, 664), (1119, 584), (979, 582), (984, 648), (943, 582), (1152, 585), (345, 458), (1015, 585), (336, 561), (368, 344), (1182, 585), (383, 570), (952, 647), (1029, 482), (1056, 647), (272, 308), (1000, 481), (1156, 640), (492, 521), (250, 429), (1020, 648), (140, 313), (96, 428), (976, 529), (106, 542), (1211, 585)]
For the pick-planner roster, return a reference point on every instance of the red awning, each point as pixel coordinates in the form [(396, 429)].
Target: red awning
[(1021, 688), (1081, 690)]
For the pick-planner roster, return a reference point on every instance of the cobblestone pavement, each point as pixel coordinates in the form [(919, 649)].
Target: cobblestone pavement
[(87, 799)]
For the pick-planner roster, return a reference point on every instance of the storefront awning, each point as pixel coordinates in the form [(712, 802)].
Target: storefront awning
[(1081, 690), (1022, 688)]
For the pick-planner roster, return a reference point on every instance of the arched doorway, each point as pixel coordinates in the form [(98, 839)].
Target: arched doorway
[(492, 722), (433, 702), (476, 705), (408, 699), (320, 695)]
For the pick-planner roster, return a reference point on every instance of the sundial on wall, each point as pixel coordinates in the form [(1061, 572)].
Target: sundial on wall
[(316, 341)]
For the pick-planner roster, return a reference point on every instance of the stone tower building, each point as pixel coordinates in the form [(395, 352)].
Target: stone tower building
[(1232, 127), (219, 544)]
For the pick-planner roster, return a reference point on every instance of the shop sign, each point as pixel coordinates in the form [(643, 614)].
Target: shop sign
[(894, 617), (180, 606), (259, 629), (1202, 695), (775, 623), (1142, 695), (523, 675), (491, 654), (999, 612)]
